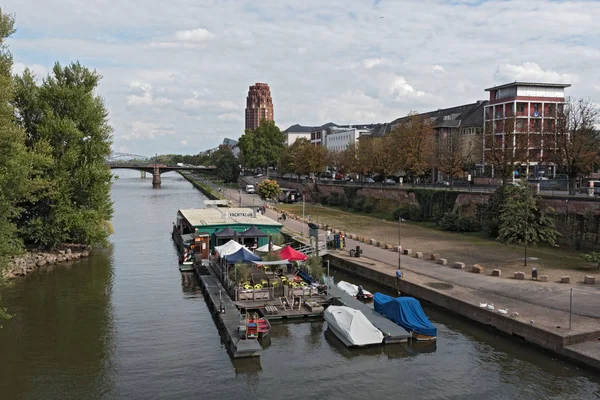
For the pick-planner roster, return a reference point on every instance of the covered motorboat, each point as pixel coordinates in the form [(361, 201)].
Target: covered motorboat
[(352, 290), (406, 312), (352, 327)]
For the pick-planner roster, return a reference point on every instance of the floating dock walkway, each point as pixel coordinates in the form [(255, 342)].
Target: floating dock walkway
[(392, 333), (216, 296)]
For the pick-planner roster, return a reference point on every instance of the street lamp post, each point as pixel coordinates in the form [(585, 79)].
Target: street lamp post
[(399, 249), (526, 223), (328, 276)]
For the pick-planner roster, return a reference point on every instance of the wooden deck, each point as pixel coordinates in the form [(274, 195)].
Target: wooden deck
[(216, 296), (392, 333), (275, 309)]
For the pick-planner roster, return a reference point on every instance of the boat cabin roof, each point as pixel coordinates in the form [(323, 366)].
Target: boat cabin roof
[(226, 216)]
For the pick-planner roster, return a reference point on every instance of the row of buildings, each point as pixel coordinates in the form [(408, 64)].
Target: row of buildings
[(531, 108)]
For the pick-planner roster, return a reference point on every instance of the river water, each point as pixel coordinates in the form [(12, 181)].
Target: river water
[(126, 324)]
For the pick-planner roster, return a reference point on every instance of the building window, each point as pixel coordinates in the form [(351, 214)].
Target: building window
[(536, 110), (520, 107)]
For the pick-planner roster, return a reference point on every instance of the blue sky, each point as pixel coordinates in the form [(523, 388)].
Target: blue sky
[(176, 73)]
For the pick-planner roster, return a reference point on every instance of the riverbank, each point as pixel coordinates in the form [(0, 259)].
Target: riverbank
[(536, 312), (33, 260), (204, 188)]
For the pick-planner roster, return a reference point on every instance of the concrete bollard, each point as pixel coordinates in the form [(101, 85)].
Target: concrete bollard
[(434, 256), (418, 254), (442, 261), (496, 272), (477, 269), (565, 279), (388, 246), (590, 280), (398, 249), (519, 275), (373, 242), (458, 265), (544, 278), (407, 252)]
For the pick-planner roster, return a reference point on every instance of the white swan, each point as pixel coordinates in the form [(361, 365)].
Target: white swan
[(514, 314), (501, 311), (483, 305), (490, 307)]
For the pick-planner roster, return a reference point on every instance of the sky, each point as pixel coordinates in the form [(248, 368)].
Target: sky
[(176, 73)]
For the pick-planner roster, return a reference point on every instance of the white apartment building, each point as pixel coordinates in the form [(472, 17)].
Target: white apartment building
[(340, 140)]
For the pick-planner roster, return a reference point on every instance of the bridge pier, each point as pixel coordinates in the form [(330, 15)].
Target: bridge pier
[(156, 177), (143, 176)]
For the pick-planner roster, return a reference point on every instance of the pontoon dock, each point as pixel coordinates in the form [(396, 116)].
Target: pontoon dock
[(216, 295), (392, 333)]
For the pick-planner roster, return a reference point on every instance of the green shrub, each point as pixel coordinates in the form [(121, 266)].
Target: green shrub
[(358, 204), (456, 223), (368, 207), (408, 211)]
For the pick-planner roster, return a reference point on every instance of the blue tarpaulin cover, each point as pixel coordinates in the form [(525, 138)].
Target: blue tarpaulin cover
[(243, 255), (404, 311)]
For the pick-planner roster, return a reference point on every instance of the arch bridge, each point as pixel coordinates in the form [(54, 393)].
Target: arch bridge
[(147, 164)]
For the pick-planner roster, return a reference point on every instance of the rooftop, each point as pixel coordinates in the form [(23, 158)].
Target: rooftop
[(535, 84), (223, 215)]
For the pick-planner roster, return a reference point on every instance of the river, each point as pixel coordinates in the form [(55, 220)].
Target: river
[(126, 324)]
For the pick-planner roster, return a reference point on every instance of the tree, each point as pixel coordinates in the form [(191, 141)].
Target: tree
[(15, 160), (414, 144), (268, 189), (262, 146), (69, 136), (309, 158), (593, 257), (227, 166), (384, 155), (574, 147), (505, 146), (452, 155), (523, 222)]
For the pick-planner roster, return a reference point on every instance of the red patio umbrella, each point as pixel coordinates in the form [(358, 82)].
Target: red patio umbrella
[(287, 253)]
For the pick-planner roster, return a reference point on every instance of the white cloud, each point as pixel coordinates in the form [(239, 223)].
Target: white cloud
[(530, 71), (400, 88), (144, 130), (194, 35), (228, 105), (372, 62), (230, 117), (142, 95), (38, 70), (439, 68), (183, 142)]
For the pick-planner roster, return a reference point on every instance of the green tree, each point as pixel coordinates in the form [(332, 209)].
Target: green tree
[(593, 257), (453, 152), (228, 167), (268, 189), (414, 144), (309, 158), (523, 222), (262, 146), (67, 123)]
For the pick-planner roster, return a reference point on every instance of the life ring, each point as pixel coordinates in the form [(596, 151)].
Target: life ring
[(257, 286)]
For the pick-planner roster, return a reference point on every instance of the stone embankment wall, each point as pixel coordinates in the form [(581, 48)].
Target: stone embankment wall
[(31, 261), (390, 197)]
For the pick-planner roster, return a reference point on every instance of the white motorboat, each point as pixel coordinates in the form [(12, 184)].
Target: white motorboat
[(352, 327), (352, 290)]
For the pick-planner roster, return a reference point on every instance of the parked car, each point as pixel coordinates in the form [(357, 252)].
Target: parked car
[(258, 175), (369, 180), (389, 181), (250, 189)]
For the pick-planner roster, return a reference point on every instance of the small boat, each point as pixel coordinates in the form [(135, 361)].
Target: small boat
[(186, 266), (352, 327), (408, 313), (352, 290), (257, 325)]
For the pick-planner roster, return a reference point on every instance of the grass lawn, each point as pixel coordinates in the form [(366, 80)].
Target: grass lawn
[(471, 248)]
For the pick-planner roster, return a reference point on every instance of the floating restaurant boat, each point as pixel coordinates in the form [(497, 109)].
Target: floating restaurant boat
[(407, 313), (352, 290), (352, 327)]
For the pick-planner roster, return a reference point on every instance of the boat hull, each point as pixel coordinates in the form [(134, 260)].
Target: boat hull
[(419, 337)]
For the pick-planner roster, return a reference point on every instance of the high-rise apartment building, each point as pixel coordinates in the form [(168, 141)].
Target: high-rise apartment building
[(259, 105), (525, 113)]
